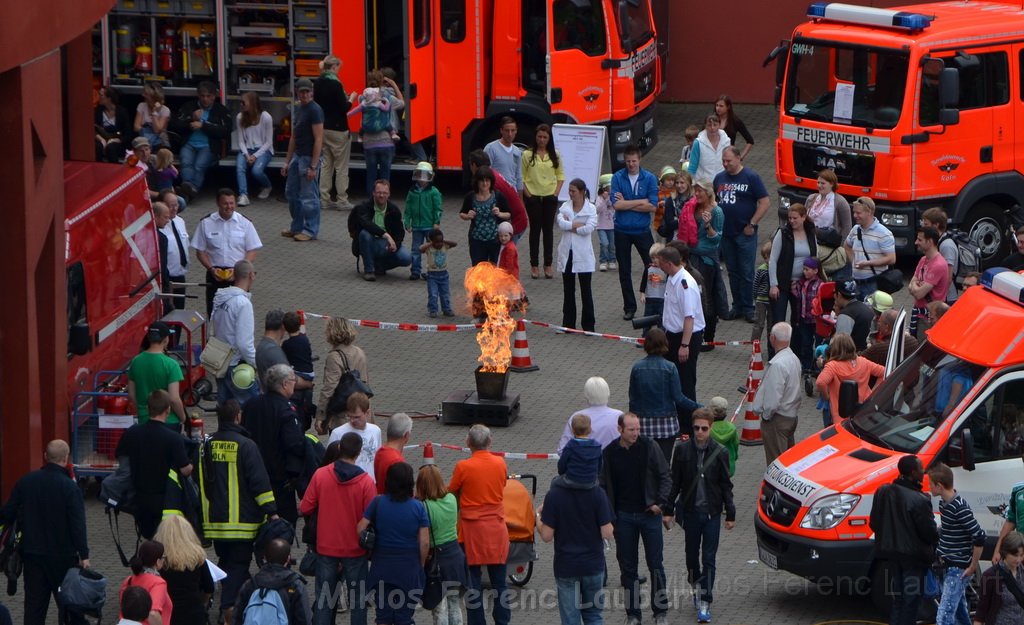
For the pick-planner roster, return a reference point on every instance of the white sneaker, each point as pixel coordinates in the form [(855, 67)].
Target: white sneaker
[(264, 193), (603, 267), (613, 266), (704, 612), (243, 200)]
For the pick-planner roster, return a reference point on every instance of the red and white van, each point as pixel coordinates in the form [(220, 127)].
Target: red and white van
[(958, 399)]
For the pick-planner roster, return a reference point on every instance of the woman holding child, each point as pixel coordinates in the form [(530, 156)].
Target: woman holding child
[(791, 244)]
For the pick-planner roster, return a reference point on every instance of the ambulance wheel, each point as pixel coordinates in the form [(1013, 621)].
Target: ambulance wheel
[(520, 574), (985, 224)]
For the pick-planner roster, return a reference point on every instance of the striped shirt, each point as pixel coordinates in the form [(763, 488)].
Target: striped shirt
[(960, 533), (877, 241)]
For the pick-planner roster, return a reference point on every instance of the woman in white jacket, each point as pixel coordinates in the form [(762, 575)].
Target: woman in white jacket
[(577, 219), (706, 153)]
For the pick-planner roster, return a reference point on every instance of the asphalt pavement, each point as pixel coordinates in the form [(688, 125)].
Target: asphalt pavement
[(415, 371)]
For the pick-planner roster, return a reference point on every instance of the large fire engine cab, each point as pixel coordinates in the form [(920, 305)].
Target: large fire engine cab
[(915, 107)]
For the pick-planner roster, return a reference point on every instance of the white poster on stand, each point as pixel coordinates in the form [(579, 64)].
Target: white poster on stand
[(582, 150)]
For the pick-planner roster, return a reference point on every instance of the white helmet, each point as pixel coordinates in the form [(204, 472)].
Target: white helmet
[(423, 171)]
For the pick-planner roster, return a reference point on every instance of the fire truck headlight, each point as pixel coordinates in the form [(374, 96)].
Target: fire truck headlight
[(889, 219), (829, 512), (623, 136)]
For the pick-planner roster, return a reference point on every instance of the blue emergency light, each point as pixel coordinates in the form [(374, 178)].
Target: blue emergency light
[(868, 16), (1004, 282)]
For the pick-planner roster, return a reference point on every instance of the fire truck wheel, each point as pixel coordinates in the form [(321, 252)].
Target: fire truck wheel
[(985, 225)]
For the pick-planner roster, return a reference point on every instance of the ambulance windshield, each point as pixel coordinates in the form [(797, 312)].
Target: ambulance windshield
[(910, 404), (853, 86)]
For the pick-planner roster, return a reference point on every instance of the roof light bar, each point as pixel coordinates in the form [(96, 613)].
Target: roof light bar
[(868, 16), (1004, 282)]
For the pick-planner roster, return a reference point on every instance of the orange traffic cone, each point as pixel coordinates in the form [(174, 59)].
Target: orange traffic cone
[(751, 434), (428, 454), (521, 361)]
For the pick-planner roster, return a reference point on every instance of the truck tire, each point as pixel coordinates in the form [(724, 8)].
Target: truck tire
[(985, 223)]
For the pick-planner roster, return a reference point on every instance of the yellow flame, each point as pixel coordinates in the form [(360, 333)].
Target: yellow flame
[(494, 289)]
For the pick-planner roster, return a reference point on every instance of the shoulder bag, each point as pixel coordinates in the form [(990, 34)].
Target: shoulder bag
[(890, 280), (350, 382), (216, 355), (1011, 585), (368, 537), (433, 591)]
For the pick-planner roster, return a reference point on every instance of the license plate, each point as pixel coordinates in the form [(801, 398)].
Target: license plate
[(648, 126), (770, 559)]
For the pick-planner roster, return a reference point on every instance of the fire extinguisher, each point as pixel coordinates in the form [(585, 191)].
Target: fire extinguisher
[(143, 56), (165, 52), (196, 427), (108, 439)]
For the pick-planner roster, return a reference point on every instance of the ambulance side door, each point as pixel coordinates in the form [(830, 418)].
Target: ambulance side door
[(995, 420)]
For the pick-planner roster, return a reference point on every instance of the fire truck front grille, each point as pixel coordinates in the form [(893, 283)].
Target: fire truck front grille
[(850, 167), (778, 506), (643, 84)]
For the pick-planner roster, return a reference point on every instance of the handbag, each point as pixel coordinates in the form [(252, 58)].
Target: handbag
[(307, 565), (890, 280), (350, 382), (433, 591), (828, 237), (216, 356), (368, 537), (832, 259)]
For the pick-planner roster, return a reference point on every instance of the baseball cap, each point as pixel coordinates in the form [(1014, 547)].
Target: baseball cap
[(812, 262), (160, 330), (719, 404), (847, 289), (303, 84), (140, 142)]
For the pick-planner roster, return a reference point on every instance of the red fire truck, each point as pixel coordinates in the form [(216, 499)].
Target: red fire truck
[(915, 107), (462, 64)]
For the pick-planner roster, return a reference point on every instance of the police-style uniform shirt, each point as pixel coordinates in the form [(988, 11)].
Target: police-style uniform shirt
[(226, 241), (176, 265), (682, 300)]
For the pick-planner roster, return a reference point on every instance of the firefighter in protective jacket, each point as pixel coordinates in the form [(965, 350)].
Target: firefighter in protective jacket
[(236, 498)]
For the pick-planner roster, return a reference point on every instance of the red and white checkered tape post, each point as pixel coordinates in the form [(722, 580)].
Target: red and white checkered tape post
[(521, 361), (751, 434), (302, 321)]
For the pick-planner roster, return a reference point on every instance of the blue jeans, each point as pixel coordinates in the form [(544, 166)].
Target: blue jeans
[(303, 196), (630, 529), (623, 242), (702, 534), (258, 171), (581, 598), (502, 612), (607, 240), (419, 235), (803, 343), (155, 141), (377, 258), (483, 251), (907, 590), (194, 163), (378, 166), (327, 594), (437, 288), (953, 605), (739, 253)]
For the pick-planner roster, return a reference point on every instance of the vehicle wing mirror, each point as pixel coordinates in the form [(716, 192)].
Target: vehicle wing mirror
[(79, 339), (949, 87), (967, 442), (778, 54), (848, 394)]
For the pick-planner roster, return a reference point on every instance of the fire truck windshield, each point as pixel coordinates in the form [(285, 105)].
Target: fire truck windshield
[(856, 86), (910, 404), (633, 18)]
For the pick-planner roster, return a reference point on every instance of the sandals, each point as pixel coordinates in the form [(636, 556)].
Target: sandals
[(549, 272), (534, 272)]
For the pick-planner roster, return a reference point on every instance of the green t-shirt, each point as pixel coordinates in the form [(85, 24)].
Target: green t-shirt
[(443, 514), (150, 372), (1015, 512)]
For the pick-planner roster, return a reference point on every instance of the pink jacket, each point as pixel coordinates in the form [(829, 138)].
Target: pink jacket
[(687, 224)]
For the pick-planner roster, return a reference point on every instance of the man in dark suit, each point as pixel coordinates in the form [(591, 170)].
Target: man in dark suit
[(162, 217)]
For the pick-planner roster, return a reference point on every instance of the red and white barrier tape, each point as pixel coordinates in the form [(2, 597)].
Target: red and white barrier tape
[(467, 327), (503, 454)]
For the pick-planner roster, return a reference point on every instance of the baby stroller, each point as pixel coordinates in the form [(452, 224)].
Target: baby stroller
[(824, 326), (521, 522)]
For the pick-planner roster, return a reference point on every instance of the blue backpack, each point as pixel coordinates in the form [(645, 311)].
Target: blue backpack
[(265, 607), (375, 120)]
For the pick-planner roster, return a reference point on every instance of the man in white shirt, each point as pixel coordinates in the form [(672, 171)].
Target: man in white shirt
[(870, 245), (778, 397), (221, 240), (177, 248), (358, 411), (683, 320), (506, 157)]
